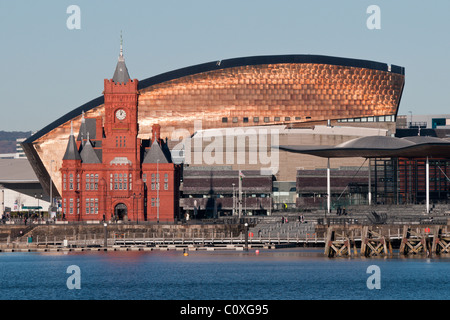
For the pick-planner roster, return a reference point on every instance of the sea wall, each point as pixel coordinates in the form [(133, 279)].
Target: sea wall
[(61, 231)]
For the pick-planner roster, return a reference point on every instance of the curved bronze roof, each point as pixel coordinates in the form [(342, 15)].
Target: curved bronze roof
[(225, 64), (384, 84)]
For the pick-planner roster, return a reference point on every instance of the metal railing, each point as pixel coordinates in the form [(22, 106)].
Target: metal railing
[(222, 220)]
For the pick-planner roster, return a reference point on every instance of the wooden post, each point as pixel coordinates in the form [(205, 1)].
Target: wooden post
[(390, 246), (437, 231), (364, 234), (385, 248), (348, 244), (329, 240), (355, 251), (404, 239)]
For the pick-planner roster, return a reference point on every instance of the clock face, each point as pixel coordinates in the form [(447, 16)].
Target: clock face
[(121, 114)]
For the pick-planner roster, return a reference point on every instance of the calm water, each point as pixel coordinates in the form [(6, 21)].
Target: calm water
[(269, 275)]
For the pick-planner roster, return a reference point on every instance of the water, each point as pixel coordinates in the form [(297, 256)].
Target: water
[(283, 274)]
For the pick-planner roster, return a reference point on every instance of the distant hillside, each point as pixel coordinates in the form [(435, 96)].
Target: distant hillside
[(8, 140)]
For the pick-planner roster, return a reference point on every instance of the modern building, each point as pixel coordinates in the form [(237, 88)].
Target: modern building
[(407, 170), (209, 114), (20, 190), (19, 150)]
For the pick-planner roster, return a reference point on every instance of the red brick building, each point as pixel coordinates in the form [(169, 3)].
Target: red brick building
[(108, 173)]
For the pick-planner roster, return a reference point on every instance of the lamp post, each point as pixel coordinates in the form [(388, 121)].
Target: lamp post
[(134, 200), (139, 199), (137, 209), (328, 187), (233, 199), (427, 168), (39, 210), (51, 197), (35, 198), (240, 195), (106, 235), (246, 236), (157, 191)]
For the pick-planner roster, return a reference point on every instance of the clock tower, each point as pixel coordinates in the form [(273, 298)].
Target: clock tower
[(104, 177), (121, 122), (121, 146)]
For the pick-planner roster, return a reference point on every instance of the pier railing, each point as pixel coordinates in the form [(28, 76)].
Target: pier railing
[(221, 220), (338, 240)]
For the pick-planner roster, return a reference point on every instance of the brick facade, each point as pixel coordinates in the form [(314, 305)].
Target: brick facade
[(108, 173)]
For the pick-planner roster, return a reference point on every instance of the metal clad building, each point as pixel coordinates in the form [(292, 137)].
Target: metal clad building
[(290, 91)]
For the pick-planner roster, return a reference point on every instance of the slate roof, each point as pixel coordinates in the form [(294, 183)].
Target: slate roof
[(88, 154), (121, 74), (88, 126), (154, 154), (72, 149)]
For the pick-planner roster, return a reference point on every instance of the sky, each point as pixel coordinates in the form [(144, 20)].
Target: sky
[(50, 68)]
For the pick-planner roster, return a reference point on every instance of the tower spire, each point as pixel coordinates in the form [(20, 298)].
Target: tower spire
[(121, 44), (121, 74), (71, 150)]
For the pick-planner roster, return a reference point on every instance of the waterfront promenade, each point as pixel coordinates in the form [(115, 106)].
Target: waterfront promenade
[(375, 232)]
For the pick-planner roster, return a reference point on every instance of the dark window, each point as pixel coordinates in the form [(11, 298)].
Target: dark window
[(245, 119), (224, 120)]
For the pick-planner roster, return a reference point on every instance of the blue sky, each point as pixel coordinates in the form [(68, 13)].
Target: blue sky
[(48, 69)]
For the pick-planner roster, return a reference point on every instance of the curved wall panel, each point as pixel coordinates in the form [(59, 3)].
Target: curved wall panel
[(253, 91)]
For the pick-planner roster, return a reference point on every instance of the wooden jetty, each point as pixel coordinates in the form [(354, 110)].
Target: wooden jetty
[(373, 243), (441, 243), (338, 241), (377, 240)]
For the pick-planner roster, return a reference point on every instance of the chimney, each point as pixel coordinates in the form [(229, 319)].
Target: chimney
[(156, 129)]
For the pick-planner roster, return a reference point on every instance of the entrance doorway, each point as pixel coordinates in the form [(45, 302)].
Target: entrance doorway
[(120, 211)]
